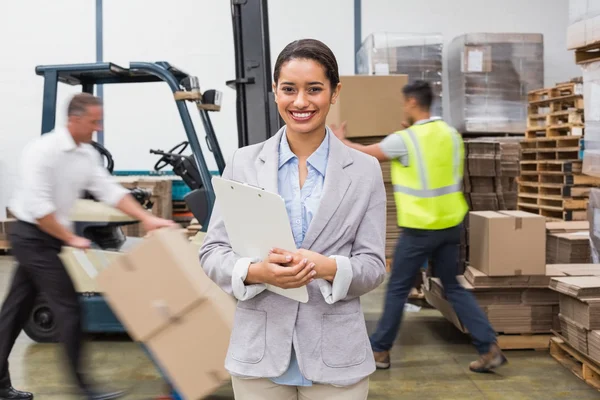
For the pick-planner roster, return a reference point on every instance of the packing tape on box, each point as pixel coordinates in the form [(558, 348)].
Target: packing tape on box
[(163, 309)]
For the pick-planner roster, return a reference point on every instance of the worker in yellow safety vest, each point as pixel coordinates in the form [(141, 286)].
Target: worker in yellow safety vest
[(427, 161)]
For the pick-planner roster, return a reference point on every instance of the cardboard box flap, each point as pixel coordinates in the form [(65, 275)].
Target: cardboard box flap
[(577, 286), (154, 283), (567, 226)]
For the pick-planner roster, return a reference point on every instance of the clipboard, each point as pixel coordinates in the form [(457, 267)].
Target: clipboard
[(256, 221)]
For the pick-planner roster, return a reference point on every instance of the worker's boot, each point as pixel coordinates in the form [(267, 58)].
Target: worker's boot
[(490, 360), (11, 393), (382, 359)]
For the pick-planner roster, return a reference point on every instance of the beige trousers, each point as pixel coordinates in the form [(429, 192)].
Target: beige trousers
[(265, 389)]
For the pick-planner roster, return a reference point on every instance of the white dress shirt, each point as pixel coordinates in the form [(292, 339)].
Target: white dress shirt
[(54, 172)]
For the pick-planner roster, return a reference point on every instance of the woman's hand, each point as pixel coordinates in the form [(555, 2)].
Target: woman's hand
[(282, 271), (325, 267)]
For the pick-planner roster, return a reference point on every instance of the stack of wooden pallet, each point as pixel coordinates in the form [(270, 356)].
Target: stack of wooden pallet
[(550, 182)]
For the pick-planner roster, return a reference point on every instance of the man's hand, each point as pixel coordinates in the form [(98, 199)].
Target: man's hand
[(271, 271), (325, 267), (152, 222), (339, 131), (78, 242)]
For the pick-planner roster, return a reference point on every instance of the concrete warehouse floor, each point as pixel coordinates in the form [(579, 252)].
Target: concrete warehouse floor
[(430, 361)]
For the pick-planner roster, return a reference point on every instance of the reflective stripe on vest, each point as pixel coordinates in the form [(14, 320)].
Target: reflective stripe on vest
[(425, 192)]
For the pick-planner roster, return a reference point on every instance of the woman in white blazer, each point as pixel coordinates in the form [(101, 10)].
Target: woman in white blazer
[(336, 201)]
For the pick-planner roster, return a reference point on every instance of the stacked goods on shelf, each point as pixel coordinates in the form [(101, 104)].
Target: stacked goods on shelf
[(583, 32), (591, 101), (181, 213), (417, 55), (372, 107), (551, 182), (489, 77), (491, 170)]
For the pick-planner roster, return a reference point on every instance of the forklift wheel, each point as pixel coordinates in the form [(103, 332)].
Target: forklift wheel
[(41, 325)]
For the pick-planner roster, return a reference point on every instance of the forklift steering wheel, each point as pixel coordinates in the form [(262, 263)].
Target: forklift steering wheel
[(106, 154), (164, 160)]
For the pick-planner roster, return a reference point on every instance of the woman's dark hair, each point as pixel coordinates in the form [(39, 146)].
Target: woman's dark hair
[(309, 49)]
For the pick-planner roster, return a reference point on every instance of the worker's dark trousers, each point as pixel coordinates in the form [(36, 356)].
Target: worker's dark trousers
[(39, 270), (414, 248)]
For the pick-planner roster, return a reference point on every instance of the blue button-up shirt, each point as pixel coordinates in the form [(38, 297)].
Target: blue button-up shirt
[(302, 204)]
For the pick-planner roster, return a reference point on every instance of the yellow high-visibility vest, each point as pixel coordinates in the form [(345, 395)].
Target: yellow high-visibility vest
[(428, 192)]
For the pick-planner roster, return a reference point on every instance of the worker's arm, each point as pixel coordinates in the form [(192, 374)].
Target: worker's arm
[(371, 149), (103, 186), (392, 147)]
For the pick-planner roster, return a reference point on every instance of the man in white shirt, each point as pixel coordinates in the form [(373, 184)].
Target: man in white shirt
[(56, 169)]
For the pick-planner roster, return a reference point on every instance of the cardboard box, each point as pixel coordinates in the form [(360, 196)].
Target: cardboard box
[(163, 297), (507, 243), (370, 105)]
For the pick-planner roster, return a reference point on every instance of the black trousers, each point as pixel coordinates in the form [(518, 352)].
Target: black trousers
[(39, 270), (413, 249)]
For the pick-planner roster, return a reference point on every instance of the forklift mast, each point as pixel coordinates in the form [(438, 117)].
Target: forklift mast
[(257, 115)]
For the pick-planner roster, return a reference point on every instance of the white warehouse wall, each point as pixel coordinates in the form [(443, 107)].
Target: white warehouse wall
[(199, 41), (197, 36), (454, 18), (33, 33)]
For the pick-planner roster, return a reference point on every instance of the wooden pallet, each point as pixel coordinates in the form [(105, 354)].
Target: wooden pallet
[(589, 53), (554, 130), (553, 213), (560, 166), (553, 189), (581, 365), (542, 121), (553, 202), (560, 148), (559, 90), (524, 341), (558, 178), (556, 104)]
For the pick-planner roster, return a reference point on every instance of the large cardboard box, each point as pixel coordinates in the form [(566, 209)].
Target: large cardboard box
[(370, 105), (507, 243), (162, 296)]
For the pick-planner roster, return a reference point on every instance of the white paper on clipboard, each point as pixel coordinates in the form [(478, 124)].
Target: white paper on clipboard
[(256, 221)]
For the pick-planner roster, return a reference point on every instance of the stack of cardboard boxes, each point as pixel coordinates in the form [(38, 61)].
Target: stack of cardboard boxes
[(507, 274), (579, 315), (418, 55), (491, 171), (489, 75)]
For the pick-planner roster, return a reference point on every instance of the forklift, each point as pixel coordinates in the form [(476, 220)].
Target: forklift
[(102, 224)]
